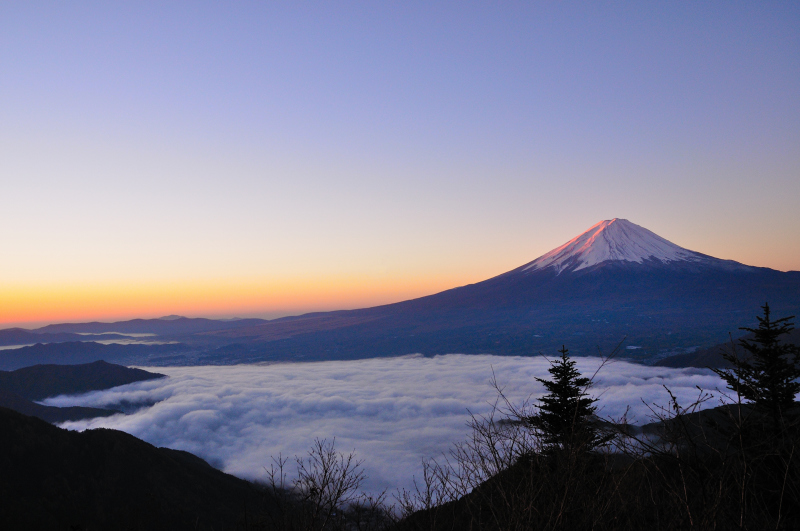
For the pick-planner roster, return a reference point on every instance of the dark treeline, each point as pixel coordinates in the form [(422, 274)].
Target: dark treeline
[(555, 466)]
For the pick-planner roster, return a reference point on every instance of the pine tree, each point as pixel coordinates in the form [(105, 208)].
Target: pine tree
[(565, 413), (769, 377)]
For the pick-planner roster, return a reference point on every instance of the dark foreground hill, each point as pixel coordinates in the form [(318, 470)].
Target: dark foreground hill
[(722, 468), (56, 479), (19, 389)]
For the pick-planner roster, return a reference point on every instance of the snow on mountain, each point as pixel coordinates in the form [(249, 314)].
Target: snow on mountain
[(616, 240)]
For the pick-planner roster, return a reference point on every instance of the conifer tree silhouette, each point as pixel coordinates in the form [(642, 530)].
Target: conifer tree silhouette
[(565, 413), (769, 377)]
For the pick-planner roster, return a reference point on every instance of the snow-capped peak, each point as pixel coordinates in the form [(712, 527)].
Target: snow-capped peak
[(615, 239)]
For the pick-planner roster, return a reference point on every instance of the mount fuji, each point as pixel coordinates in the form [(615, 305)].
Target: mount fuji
[(617, 280)]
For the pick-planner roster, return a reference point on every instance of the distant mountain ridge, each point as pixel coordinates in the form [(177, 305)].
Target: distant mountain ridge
[(78, 352), (171, 325), (21, 336)]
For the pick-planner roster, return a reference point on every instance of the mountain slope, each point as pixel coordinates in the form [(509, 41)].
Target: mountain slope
[(106, 479)]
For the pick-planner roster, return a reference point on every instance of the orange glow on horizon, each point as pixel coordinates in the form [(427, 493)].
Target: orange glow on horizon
[(37, 305)]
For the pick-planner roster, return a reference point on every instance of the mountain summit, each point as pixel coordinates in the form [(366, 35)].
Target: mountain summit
[(612, 240)]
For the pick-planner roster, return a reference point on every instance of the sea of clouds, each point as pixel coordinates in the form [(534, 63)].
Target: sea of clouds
[(392, 411)]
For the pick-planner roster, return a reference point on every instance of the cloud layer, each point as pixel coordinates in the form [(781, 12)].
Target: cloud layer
[(392, 412)]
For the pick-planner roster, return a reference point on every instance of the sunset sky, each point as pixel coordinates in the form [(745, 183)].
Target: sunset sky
[(271, 158)]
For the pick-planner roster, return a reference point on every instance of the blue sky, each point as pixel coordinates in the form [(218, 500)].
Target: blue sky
[(325, 155)]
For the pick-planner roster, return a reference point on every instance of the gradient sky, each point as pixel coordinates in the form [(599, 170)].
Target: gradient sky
[(267, 158)]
